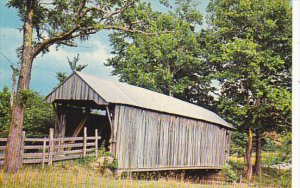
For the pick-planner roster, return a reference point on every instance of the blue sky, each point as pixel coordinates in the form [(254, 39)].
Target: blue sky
[(93, 52)]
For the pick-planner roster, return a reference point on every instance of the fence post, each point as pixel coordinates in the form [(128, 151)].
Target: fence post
[(22, 147), (50, 147), (44, 152), (84, 141), (96, 143)]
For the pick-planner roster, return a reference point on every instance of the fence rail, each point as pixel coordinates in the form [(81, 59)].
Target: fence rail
[(46, 150)]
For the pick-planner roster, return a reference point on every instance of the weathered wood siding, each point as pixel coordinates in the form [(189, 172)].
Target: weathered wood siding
[(75, 89), (151, 140)]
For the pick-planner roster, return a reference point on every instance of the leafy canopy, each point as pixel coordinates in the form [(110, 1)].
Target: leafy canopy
[(168, 62), (60, 22), (252, 58)]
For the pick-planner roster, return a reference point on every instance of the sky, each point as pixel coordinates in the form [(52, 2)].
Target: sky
[(93, 52)]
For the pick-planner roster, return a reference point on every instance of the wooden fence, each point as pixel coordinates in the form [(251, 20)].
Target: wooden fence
[(48, 150)]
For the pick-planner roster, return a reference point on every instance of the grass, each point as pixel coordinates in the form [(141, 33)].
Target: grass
[(58, 177), (83, 176), (79, 173), (270, 177), (32, 177)]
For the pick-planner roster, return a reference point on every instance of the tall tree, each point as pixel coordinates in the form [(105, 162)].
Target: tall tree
[(62, 76), (56, 22), (251, 54), (168, 62), (73, 64)]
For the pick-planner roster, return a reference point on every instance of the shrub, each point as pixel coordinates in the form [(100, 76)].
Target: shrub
[(112, 165), (106, 160), (229, 174)]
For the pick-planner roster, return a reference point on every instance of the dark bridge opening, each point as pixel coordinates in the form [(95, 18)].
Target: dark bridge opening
[(73, 115)]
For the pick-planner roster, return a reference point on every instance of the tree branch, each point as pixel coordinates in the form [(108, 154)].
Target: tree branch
[(60, 38), (121, 10), (121, 28), (48, 42), (82, 5)]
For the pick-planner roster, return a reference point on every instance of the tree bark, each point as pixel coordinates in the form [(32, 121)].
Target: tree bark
[(248, 155), (258, 168), (12, 95), (13, 147)]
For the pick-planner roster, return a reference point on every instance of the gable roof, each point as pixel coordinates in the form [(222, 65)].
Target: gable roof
[(121, 93)]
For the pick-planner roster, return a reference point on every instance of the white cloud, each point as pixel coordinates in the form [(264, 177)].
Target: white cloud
[(93, 52), (96, 54)]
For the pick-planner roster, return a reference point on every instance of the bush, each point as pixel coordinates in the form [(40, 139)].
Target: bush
[(229, 174), (112, 165), (106, 160)]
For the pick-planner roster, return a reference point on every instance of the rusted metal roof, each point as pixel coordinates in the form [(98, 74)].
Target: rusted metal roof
[(122, 93)]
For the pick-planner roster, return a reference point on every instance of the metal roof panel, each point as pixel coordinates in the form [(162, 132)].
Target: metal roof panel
[(122, 93)]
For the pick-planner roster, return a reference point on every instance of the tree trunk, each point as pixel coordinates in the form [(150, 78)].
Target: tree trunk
[(12, 95), (248, 155), (13, 147), (258, 169)]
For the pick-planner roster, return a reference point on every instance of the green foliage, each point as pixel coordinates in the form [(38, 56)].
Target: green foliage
[(238, 141), (4, 111), (271, 160), (62, 22), (251, 53), (62, 76), (73, 64), (229, 173), (271, 177), (85, 160), (168, 62), (38, 117), (106, 154), (279, 150), (26, 97), (285, 147), (252, 58), (112, 166)]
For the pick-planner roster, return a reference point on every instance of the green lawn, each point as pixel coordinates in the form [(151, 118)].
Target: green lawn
[(76, 176)]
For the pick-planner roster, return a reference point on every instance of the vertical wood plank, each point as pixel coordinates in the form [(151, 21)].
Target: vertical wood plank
[(96, 143), (22, 146), (115, 120), (84, 141), (148, 139), (44, 152), (51, 145)]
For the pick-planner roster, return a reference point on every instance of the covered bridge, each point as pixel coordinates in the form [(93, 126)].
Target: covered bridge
[(143, 129)]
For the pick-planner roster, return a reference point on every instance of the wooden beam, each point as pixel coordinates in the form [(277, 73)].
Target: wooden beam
[(62, 125), (79, 127), (111, 140), (115, 128), (108, 115), (171, 168), (51, 146), (56, 123), (84, 142)]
